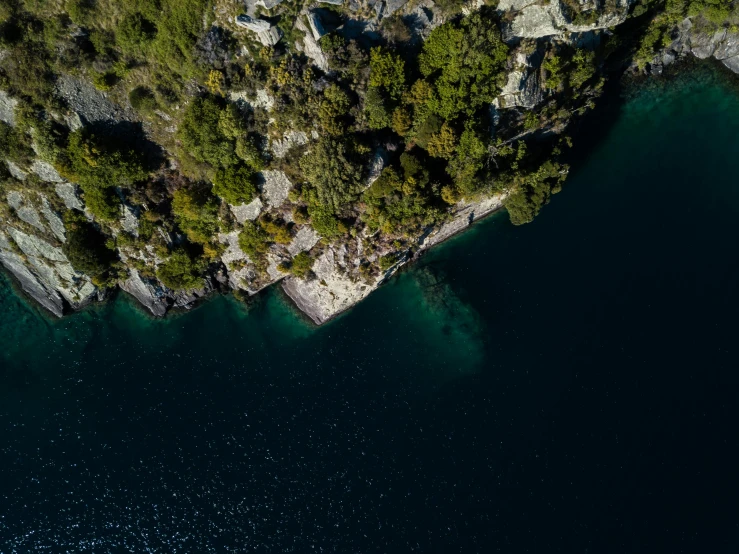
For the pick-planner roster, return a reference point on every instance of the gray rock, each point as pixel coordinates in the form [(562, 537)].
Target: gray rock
[(16, 171), (69, 195), (268, 4), (732, 63), (87, 102), (537, 20), (703, 45), (290, 139), (377, 164), (55, 222), (25, 210), (52, 272), (728, 47), (311, 48), (333, 2), (267, 34), (129, 220), (48, 299), (149, 293), (275, 187), (305, 239), (247, 212), (316, 27), (330, 293), (7, 108), (46, 171), (523, 88)]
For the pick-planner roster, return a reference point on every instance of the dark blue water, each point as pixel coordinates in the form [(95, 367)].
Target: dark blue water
[(567, 386)]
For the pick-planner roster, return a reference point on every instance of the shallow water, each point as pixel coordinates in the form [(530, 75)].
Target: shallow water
[(567, 386)]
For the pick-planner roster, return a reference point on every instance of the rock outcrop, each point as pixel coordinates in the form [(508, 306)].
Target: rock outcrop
[(333, 291), (721, 44), (536, 19), (44, 272), (267, 34)]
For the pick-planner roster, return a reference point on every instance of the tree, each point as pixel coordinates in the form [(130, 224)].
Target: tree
[(196, 212), (207, 135), (235, 184), (253, 240), (333, 174), (103, 160), (182, 271), (302, 265), (85, 247), (443, 143), (531, 191), (465, 62), (387, 72), (135, 32)]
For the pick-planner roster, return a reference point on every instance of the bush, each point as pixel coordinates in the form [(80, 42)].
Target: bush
[(103, 203), (142, 99), (388, 260), (335, 177), (302, 265), (182, 271), (202, 134), (104, 161), (196, 213), (86, 248), (15, 145), (135, 33), (235, 184), (253, 240)]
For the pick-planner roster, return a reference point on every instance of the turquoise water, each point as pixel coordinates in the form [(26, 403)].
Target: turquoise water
[(567, 386)]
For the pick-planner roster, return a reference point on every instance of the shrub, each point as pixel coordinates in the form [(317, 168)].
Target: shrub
[(104, 161), (103, 202), (253, 240), (142, 99), (388, 260), (86, 248), (235, 184), (196, 213), (302, 265), (202, 134), (182, 271), (335, 177), (135, 33), (15, 145)]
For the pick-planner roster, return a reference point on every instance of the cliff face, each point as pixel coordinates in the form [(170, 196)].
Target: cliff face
[(703, 42), (406, 189)]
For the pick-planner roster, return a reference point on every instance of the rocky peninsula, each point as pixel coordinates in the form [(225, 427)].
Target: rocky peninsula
[(176, 149)]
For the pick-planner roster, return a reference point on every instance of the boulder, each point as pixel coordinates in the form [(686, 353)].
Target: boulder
[(247, 212), (275, 187), (148, 292), (7, 108), (267, 34)]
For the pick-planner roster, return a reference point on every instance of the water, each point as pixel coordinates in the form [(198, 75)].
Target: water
[(567, 386)]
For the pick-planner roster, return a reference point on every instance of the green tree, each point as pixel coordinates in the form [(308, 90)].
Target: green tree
[(302, 265), (196, 212), (182, 271), (201, 133), (86, 248), (235, 184), (333, 174), (465, 63), (387, 72)]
